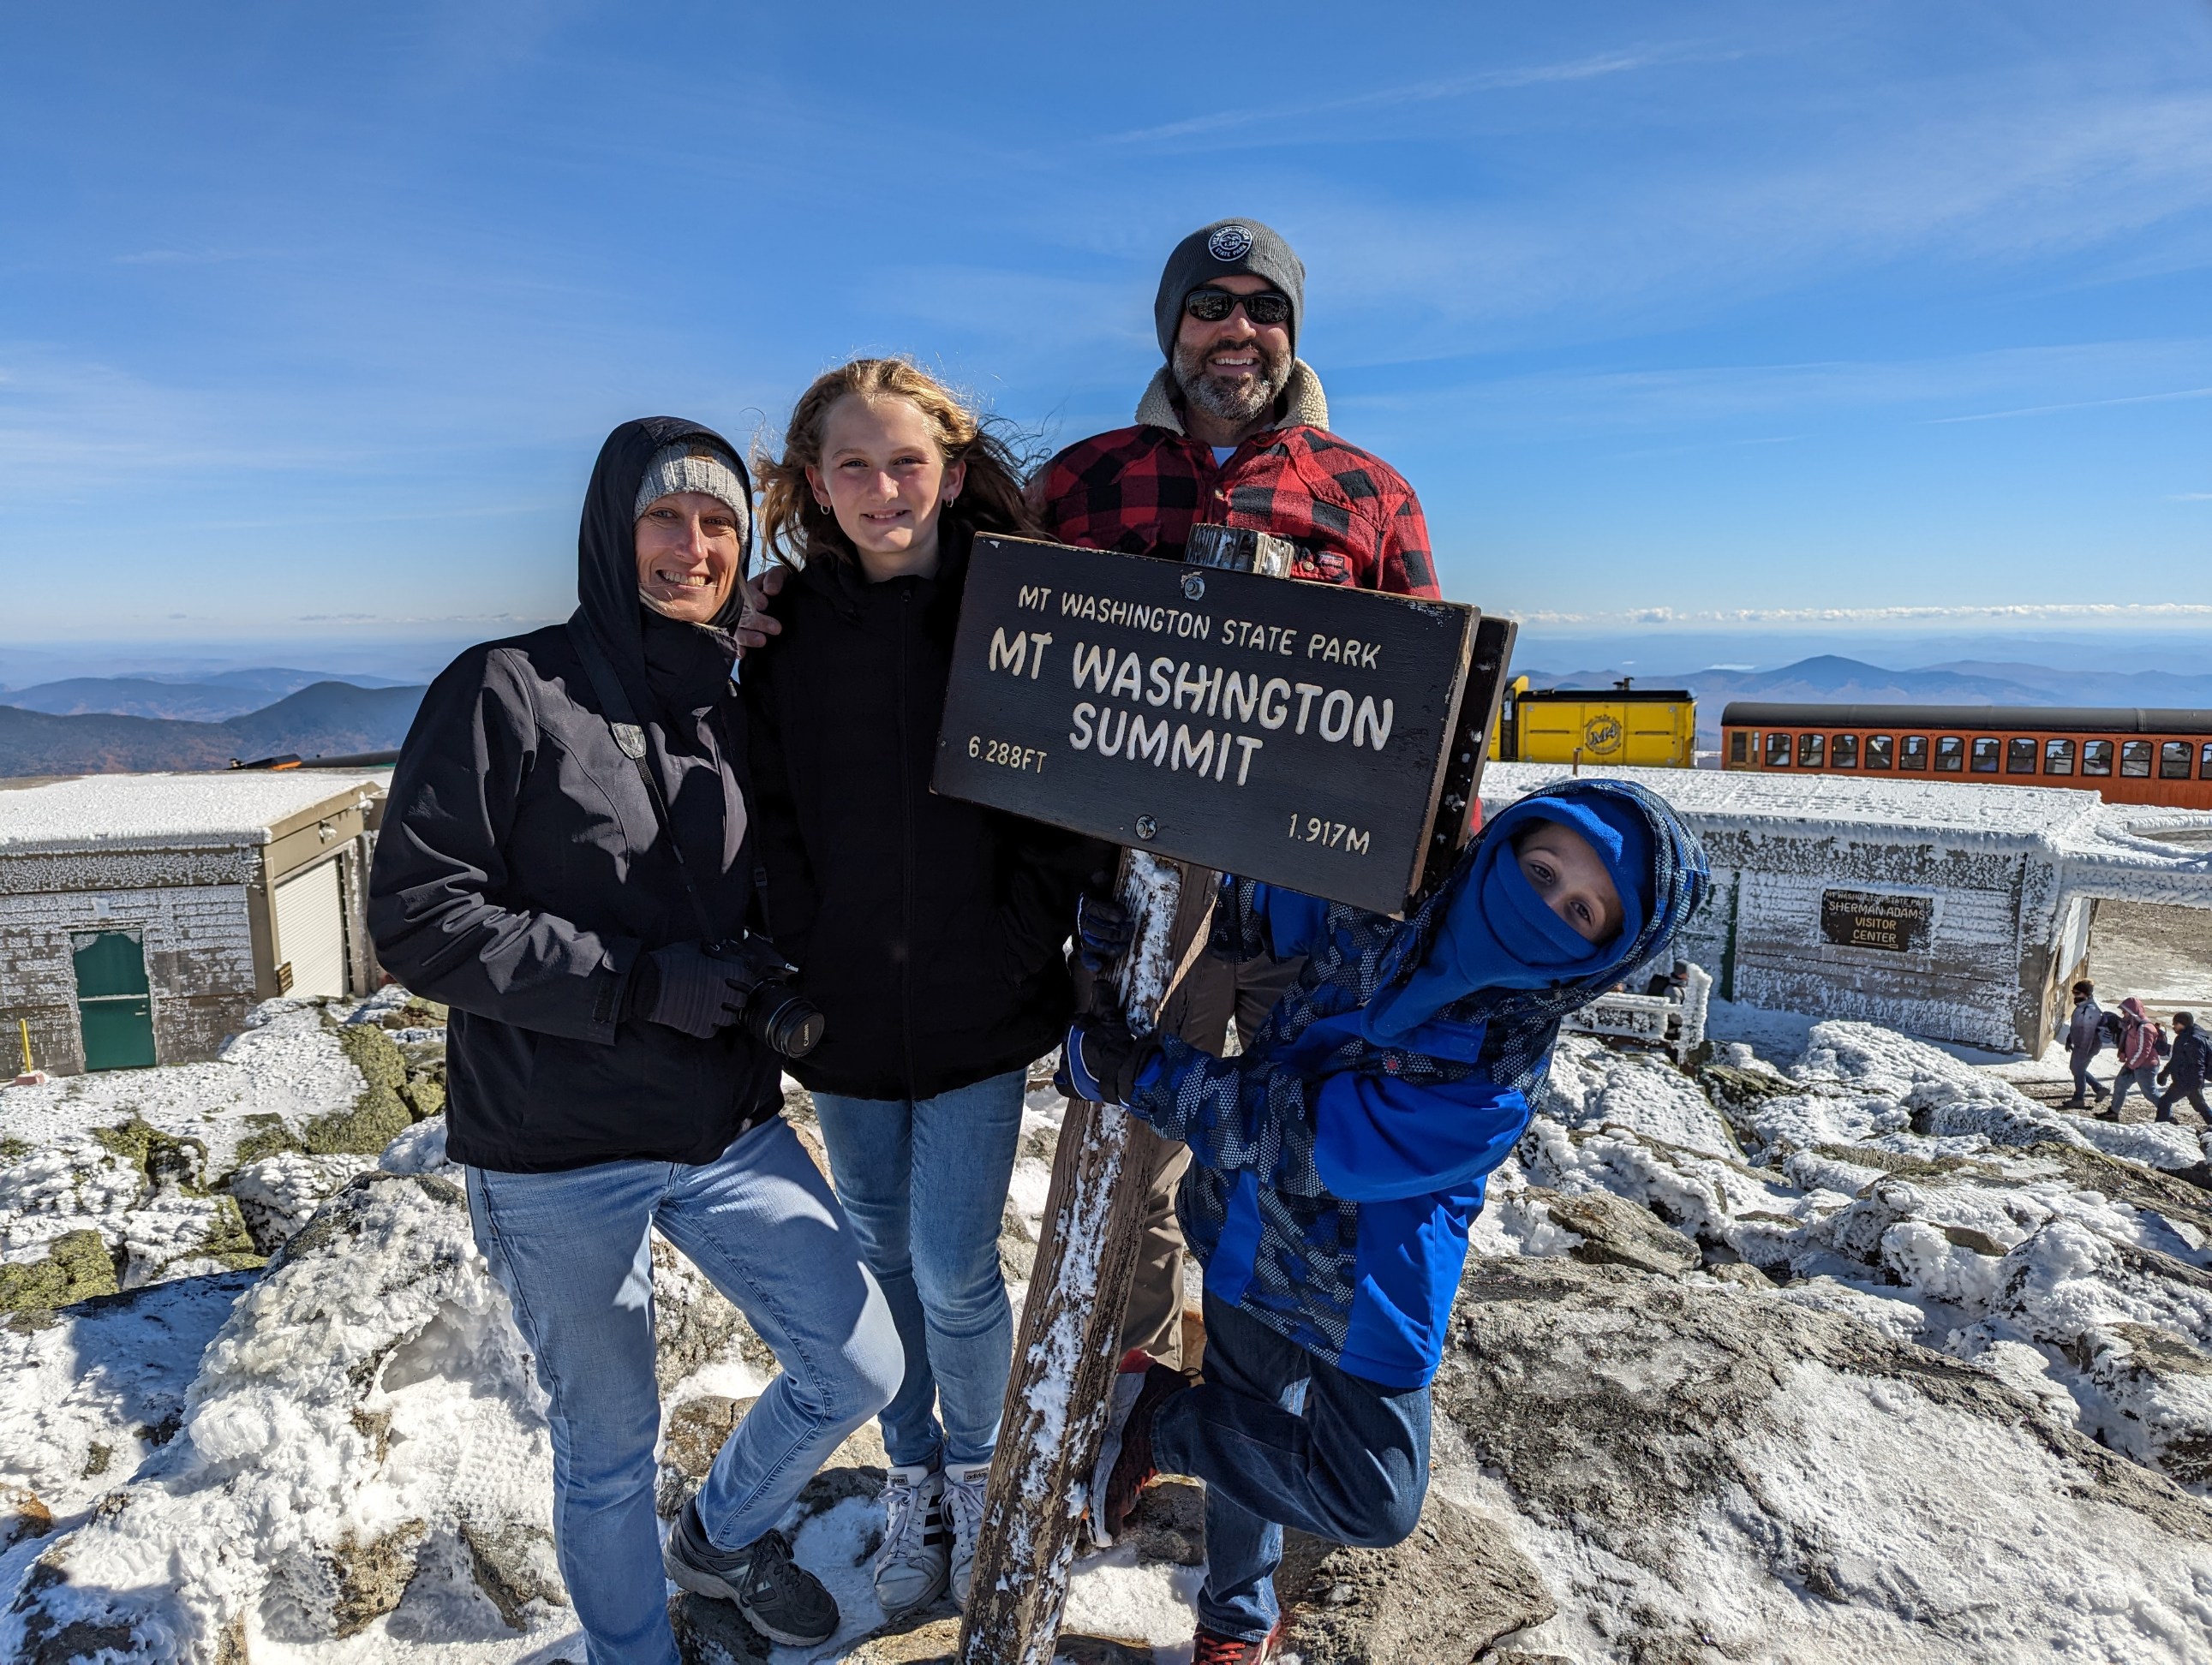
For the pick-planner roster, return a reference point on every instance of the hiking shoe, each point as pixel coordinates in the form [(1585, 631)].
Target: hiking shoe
[(778, 1597), (964, 1485), (1124, 1458), (1211, 1648), (910, 1566)]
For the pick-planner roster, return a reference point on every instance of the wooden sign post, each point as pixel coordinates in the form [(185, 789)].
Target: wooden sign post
[(1327, 739)]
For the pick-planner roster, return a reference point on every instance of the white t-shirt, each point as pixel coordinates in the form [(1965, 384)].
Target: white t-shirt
[(1222, 454)]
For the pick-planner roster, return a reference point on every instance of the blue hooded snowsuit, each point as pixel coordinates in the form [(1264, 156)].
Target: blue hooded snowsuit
[(1337, 1164)]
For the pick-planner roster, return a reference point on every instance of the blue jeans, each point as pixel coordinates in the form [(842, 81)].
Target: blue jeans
[(573, 1252), (2144, 1080), (924, 1184), (1283, 1439)]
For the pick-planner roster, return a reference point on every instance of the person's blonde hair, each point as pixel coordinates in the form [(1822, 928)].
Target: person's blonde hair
[(795, 527)]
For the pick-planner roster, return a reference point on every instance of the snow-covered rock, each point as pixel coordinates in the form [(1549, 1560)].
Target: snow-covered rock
[(1706, 1471), (368, 1401)]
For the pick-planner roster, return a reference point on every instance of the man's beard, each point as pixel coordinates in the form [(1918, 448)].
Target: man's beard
[(1236, 399)]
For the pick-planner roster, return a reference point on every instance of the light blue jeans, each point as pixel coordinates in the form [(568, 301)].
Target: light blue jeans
[(924, 1182), (573, 1252)]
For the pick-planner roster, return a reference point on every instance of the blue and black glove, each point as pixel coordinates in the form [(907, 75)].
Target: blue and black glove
[(1101, 1060), (1103, 930)]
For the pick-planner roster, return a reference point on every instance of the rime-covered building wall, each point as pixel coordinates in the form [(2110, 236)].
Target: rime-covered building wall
[(1949, 910), (198, 941), (184, 865)]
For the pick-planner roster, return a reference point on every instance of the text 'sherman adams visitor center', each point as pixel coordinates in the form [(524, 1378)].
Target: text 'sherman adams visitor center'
[(142, 917)]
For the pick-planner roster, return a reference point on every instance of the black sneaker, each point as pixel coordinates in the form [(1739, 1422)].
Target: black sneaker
[(778, 1598)]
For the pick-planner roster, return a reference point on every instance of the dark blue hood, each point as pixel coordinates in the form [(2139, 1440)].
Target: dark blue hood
[(1484, 940)]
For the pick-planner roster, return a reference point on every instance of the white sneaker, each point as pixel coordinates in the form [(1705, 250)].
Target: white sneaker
[(964, 1485), (911, 1566)]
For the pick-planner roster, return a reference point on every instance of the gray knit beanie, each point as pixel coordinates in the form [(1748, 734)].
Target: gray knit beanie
[(690, 465), (1222, 250)]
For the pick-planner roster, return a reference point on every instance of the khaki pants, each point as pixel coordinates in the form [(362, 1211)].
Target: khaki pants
[(1212, 995)]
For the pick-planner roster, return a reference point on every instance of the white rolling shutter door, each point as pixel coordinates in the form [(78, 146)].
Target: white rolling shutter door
[(311, 930)]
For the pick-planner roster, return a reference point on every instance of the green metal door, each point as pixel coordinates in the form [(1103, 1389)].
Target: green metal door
[(115, 1012)]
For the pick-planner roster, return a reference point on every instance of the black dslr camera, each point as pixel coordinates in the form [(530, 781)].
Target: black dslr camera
[(765, 997)]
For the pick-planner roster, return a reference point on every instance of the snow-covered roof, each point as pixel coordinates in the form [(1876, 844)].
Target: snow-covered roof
[(1848, 805), (2098, 846), (125, 811)]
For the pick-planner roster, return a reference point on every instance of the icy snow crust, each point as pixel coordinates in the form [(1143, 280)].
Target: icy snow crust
[(1797, 1357), (121, 812)]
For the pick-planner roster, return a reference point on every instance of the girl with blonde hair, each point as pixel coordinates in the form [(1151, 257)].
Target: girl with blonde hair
[(928, 931)]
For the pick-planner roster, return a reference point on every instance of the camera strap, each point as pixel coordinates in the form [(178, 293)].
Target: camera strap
[(629, 738)]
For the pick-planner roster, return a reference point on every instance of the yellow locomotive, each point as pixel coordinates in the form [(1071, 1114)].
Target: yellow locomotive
[(1623, 727)]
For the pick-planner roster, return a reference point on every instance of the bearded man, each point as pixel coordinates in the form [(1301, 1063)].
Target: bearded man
[(1233, 430)]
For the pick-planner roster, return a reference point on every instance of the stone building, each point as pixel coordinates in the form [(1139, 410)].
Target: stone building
[(143, 915), (1953, 911)]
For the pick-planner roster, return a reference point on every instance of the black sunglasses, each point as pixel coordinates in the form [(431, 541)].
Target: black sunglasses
[(1211, 305)]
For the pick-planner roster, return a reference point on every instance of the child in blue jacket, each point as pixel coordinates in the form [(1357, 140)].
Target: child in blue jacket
[(1337, 1165)]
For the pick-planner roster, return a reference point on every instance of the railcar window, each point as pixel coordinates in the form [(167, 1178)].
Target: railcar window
[(1950, 751), (2058, 756), (1914, 753), (1844, 751), (1986, 748), (1777, 751), (2173, 759), (2204, 764), (2134, 757), (1736, 746), (2096, 756), (2020, 755), (1879, 750), (1812, 750)]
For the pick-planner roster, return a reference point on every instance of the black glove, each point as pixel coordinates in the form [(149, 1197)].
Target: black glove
[(1101, 1061), (699, 988), (1103, 929)]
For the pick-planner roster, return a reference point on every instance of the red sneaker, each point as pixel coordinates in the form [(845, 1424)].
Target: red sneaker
[(1210, 1649), (1125, 1457)]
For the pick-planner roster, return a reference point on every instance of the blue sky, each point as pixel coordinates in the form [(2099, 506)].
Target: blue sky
[(312, 318)]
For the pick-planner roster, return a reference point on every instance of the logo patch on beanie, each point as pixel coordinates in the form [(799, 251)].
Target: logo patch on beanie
[(1229, 242)]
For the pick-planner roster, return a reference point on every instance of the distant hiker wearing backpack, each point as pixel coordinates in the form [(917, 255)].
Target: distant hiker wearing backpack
[(2085, 1039), (2185, 1073), (2141, 1044)]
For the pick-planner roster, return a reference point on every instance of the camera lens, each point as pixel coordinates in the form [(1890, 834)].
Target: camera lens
[(785, 1021)]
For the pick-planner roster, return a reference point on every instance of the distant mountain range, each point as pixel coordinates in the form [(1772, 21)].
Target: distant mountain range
[(205, 699), (323, 718), (1829, 677), (98, 724)]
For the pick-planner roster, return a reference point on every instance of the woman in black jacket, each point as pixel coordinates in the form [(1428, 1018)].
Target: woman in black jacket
[(929, 931), (565, 862)]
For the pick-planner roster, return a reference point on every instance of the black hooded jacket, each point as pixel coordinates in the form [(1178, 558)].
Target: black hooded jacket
[(522, 870), (929, 931)]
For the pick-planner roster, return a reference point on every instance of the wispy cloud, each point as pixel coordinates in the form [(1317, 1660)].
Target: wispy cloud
[(2077, 404), (2055, 612), (1417, 92), (181, 257)]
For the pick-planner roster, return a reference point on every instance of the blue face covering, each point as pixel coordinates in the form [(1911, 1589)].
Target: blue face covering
[(1497, 934)]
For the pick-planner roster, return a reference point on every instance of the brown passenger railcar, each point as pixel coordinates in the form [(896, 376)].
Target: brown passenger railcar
[(2131, 757)]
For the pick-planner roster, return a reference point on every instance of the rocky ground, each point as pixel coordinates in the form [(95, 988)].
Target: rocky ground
[(1833, 1348)]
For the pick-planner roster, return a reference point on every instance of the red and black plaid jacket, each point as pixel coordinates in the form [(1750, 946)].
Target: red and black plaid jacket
[(1140, 490)]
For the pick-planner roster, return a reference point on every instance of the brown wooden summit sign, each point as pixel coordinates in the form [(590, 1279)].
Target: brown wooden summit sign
[(1291, 732), (1867, 919)]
